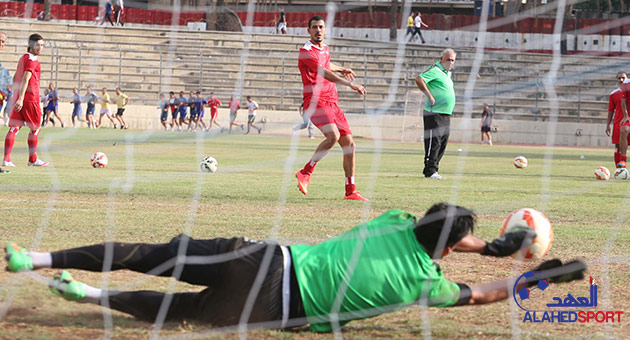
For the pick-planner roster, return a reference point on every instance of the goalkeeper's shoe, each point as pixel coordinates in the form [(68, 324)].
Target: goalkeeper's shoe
[(65, 286), (17, 259)]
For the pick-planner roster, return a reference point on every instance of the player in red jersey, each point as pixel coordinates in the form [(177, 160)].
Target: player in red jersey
[(214, 104), (320, 103), (26, 110), (620, 128)]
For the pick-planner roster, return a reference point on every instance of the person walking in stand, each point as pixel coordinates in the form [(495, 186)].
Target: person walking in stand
[(486, 124), (252, 106), (234, 106), (319, 77), (121, 102), (120, 9), (436, 84), (418, 24), (26, 109), (282, 22), (108, 13), (410, 24), (76, 110)]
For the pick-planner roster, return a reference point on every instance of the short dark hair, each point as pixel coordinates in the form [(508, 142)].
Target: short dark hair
[(248, 97), (315, 18), (457, 220), (32, 39), (198, 92), (171, 92)]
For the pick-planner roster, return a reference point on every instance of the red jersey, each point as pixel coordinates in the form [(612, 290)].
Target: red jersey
[(311, 60), (28, 62), (214, 104), (234, 105)]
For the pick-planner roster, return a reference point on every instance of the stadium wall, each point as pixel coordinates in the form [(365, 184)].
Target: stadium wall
[(392, 127)]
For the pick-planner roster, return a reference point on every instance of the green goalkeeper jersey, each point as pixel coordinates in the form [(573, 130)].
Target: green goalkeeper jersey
[(382, 266)]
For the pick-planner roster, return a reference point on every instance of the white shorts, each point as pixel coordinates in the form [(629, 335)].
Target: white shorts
[(106, 112), (282, 26)]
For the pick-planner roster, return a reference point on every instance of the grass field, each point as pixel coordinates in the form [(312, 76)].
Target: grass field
[(152, 191)]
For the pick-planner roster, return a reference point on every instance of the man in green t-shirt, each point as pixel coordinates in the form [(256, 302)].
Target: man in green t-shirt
[(380, 266), (436, 83)]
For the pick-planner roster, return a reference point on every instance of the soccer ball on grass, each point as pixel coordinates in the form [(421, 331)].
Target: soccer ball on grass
[(99, 160), (602, 173), (536, 220), (209, 164), (622, 173), (520, 162)]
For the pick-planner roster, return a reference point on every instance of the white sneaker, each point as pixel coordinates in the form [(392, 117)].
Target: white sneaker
[(436, 176), (38, 162), (490, 143), (9, 163)]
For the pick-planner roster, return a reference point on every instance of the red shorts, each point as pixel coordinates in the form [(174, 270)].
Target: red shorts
[(329, 113), (616, 132), (30, 115), (214, 114)]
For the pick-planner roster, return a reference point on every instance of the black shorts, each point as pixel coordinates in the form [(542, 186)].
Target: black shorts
[(119, 112), (231, 278), (164, 116), (89, 111), (485, 129)]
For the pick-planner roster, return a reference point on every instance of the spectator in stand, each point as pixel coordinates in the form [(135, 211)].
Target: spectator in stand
[(418, 25), (121, 101), (252, 106), (234, 105), (410, 24), (108, 13), (90, 98), (76, 111), (119, 9), (282, 22)]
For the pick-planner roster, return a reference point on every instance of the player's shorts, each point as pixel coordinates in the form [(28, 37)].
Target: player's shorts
[(51, 108), (282, 26), (193, 114), (329, 113), (77, 111), (89, 110), (106, 112), (231, 279), (251, 118), (164, 115), (485, 129), (183, 113), (174, 114), (232, 117), (214, 114), (203, 113), (120, 112), (30, 115), (616, 132)]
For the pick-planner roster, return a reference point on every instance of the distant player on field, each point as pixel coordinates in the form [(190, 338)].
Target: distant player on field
[(26, 109), (121, 102), (91, 99), (163, 106), (234, 106), (105, 110), (173, 102), (214, 104), (617, 107), (201, 102), (300, 284), (76, 110), (53, 105), (486, 124), (320, 104), (252, 107)]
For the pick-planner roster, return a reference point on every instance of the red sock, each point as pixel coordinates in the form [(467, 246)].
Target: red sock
[(32, 145), (8, 143), (350, 187), (617, 157), (308, 168)]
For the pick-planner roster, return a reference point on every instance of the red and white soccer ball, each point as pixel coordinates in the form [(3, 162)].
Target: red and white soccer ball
[(536, 220), (99, 160), (602, 173), (520, 162), (622, 173)]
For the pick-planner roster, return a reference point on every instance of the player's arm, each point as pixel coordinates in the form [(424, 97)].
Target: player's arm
[(423, 87), (346, 72), (508, 244), (333, 77), (126, 101), (23, 86), (553, 271)]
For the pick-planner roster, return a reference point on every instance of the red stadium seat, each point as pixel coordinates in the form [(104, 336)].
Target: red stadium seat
[(62, 12), (82, 13)]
